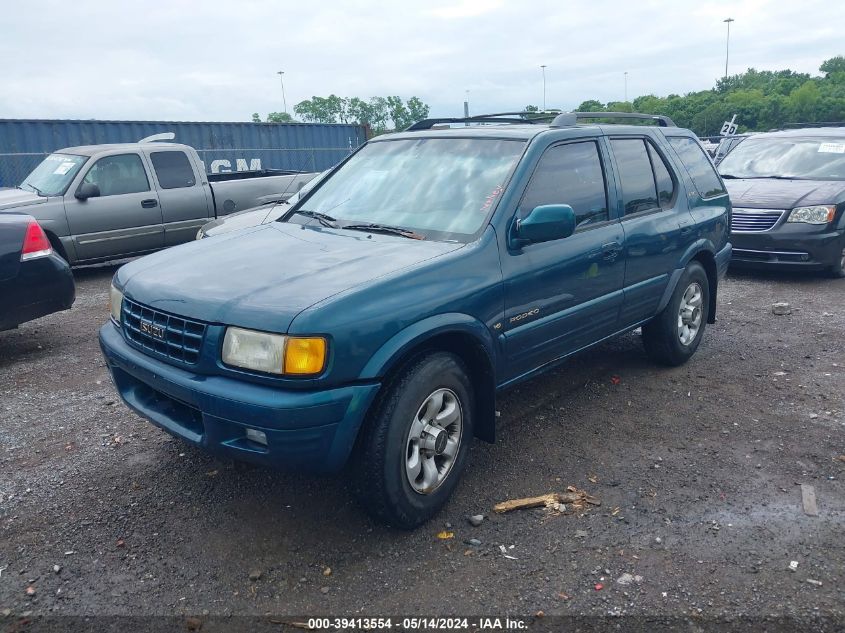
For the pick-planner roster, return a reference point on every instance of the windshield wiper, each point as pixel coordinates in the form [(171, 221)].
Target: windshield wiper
[(729, 176), (385, 228), (34, 189), (322, 218)]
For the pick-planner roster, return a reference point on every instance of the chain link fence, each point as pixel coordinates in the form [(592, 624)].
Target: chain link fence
[(15, 167)]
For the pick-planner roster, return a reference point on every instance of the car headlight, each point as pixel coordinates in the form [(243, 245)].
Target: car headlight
[(820, 214), (274, 353), (115, 302)]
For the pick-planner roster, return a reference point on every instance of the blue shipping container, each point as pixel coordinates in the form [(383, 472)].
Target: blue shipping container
[(237, 146)]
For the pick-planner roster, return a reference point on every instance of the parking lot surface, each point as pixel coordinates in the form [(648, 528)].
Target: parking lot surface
[(698, 470)]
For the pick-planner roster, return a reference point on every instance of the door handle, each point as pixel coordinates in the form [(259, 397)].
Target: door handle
[(149, 204), (611, 250)]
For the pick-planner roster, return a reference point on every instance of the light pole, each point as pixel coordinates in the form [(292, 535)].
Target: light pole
[(543, 68), (281, 74), (727, 44), (466, 108), (626, 86)]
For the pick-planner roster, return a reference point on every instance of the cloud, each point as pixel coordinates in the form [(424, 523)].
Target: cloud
[(217, 60)]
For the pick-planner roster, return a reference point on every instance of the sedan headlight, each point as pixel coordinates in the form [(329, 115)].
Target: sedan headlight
[(115, 302), (274, 353), (820, 214)]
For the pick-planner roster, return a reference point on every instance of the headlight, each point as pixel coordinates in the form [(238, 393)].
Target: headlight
[(821, 214), (274, 353), (115, 302)]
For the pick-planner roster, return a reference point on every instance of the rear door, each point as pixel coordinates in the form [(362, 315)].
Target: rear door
[(565, 294), (124, 219), (182, 191), (658, 226)]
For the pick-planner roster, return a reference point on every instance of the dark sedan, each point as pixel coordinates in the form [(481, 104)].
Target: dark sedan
[(34, 280), (788, 194)]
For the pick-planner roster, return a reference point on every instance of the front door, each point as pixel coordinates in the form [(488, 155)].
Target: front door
[(124, 219), (564, 294)]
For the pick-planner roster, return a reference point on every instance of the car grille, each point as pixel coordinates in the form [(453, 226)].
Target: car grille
[(163, 334), (754, 220)]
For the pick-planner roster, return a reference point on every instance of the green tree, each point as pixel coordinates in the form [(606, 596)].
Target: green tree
[(833, 65), (279, 117), (256, 118), (590, 105)]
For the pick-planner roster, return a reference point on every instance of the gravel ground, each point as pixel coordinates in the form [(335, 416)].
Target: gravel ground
[(697, 468)]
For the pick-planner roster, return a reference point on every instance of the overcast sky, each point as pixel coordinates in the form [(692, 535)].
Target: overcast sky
[(214, 60)]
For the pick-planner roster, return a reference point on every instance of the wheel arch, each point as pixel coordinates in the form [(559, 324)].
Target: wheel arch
[(704, 253), (57, 245), (459, 334)]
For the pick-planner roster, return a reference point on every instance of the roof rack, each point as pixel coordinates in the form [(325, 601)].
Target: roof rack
[(819, 124), (570, 118), (558, 119)]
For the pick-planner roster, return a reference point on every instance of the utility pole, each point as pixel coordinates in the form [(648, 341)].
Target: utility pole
[(543, 68), (728, 44), (281, 74), (466, 107), (626, 86)]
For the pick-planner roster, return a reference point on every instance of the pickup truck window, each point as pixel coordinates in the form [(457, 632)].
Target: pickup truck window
[(639, 193), (698, 166), (53, 174), (443, 188), (569, 174), (117, 175), (173, 169)]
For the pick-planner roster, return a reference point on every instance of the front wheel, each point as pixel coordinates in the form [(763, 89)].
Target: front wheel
[(672, 337), (414, 447), (837, 270)]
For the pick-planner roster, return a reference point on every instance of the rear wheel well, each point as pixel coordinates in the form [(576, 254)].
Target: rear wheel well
[(56, 243), (471, 351), (708, 261)]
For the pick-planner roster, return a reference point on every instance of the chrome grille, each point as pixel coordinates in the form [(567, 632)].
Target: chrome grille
[(754, 220), (163, 334)]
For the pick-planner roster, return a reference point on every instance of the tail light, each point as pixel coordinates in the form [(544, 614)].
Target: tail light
[(35, 243)]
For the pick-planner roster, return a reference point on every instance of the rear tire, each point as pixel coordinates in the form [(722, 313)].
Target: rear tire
[(413, 448), (672, 337)]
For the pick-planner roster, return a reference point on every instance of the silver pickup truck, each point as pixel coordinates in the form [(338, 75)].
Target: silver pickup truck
[(103, 202)]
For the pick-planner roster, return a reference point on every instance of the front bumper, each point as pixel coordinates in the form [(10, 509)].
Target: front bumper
[(788, 246), (305, 430)]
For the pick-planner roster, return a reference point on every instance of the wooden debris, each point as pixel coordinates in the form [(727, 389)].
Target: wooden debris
[(576, 499), (808, 498)]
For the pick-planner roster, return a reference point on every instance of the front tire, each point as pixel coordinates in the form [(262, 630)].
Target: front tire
[(672, 337), (837, 270), (414, 447)]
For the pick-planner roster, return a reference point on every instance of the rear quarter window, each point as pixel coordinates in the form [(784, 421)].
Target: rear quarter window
[(698, 166), (173, 169)]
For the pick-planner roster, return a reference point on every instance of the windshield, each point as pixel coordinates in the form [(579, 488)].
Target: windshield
[(801, 158), (441, 188), (54, 174)]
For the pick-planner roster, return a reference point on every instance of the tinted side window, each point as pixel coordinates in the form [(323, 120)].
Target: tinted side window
[(116, 175), (173, 169), (569, 174), (698, 166), (638, 190), (663, 178)]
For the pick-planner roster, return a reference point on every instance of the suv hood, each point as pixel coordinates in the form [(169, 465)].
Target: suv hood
[(263, 277), (773, 193), (16, 198)]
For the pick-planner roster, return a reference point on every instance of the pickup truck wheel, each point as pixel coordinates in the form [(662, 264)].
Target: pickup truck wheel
[(414, 447), (672, 337)]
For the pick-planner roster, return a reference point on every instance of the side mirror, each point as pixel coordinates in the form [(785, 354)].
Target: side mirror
[(545, 223), (87, 190)]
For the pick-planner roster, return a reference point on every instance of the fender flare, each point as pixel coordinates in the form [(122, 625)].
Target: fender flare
[(400, 346), (699, 246)]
